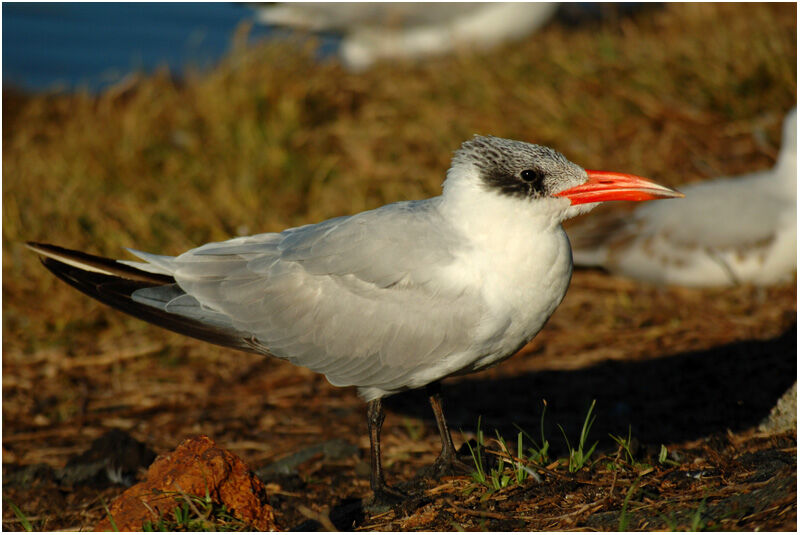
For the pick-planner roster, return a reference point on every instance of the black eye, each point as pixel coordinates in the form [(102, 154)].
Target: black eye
[(529, 175)]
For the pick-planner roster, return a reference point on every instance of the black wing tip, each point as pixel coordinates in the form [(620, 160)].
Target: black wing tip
[(117, 292), (94, 262), (41, 248), (47, 249)]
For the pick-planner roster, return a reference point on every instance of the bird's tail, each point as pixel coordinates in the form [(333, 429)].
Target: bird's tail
[(150, 296)]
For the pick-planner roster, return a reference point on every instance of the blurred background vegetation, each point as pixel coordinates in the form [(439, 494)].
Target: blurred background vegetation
[(272, 138)]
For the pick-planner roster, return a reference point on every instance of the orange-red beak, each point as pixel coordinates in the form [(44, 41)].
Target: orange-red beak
[(608, 186)]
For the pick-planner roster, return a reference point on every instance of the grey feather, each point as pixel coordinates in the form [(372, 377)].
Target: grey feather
[(171, 298), (355, 298)]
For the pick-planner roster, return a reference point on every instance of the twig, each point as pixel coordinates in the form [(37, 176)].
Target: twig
[(616, 473), (486, 514), (102, 359), (322, 518), (590, 507)]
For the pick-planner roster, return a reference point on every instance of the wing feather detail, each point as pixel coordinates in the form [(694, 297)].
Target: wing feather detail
[(359, 299)]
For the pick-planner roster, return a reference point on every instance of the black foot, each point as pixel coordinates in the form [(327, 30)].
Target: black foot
[(446, 466), (384, 498)]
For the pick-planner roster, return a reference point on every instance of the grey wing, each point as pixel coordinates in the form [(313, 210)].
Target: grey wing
[(397, 243), (362, 299)]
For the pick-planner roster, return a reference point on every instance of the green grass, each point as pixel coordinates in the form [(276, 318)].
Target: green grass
[(624, 515), (109, 515), (21, 517), (499, 464), (579, 457), (696, 523), (507, 469), (514, 468), (625, 444), (520, 474), (539, 451), (479, 475), (196, 513), (663, 457)]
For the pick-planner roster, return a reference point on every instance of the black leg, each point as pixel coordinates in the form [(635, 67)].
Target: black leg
[(447, 462), (375, 418), (384, 494), (435, 397)]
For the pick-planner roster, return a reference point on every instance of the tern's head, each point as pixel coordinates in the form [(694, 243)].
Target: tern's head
[(540, 175)]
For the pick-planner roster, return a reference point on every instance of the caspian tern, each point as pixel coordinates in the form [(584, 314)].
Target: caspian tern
[(373, 31), (386, 300), (727, 231)]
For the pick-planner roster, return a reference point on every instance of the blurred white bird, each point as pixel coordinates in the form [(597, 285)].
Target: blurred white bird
[(372, 31), (727, 231), (386, 300)]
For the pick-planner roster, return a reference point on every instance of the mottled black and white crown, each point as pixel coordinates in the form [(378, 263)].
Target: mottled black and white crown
[(517, 169)]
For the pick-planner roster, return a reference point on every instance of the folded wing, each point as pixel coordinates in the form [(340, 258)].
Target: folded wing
[(361, 299)]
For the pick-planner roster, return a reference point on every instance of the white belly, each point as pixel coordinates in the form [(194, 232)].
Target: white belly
[(522, 284), (523, 297)]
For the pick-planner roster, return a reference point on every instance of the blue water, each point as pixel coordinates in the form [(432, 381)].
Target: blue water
[(91, 45), (68, 46)]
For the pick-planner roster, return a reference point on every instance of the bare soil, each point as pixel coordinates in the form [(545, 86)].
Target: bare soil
[(694, 370)]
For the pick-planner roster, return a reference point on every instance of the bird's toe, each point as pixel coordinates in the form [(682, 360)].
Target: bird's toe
[(446, 466)]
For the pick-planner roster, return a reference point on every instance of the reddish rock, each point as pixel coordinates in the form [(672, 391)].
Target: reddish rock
[(196, 467)]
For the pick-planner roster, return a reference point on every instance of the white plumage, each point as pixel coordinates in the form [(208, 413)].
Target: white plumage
[(385, 30)]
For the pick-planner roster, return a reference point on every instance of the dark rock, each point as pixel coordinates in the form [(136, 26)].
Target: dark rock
[(766, 463), (114, 458)]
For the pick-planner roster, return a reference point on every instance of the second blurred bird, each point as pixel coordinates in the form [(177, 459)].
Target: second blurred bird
[(725, 232), (372, 31)]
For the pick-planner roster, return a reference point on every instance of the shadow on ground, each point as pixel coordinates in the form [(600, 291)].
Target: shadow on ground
[(667, 400)]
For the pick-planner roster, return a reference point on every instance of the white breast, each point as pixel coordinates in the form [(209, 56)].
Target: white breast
[(520, 258)]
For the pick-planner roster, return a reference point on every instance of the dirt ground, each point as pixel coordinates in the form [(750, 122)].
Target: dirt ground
[(694, 370), (271, 138)]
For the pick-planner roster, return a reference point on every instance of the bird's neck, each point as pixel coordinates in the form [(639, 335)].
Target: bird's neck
[(786, 166), (785, 173)]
